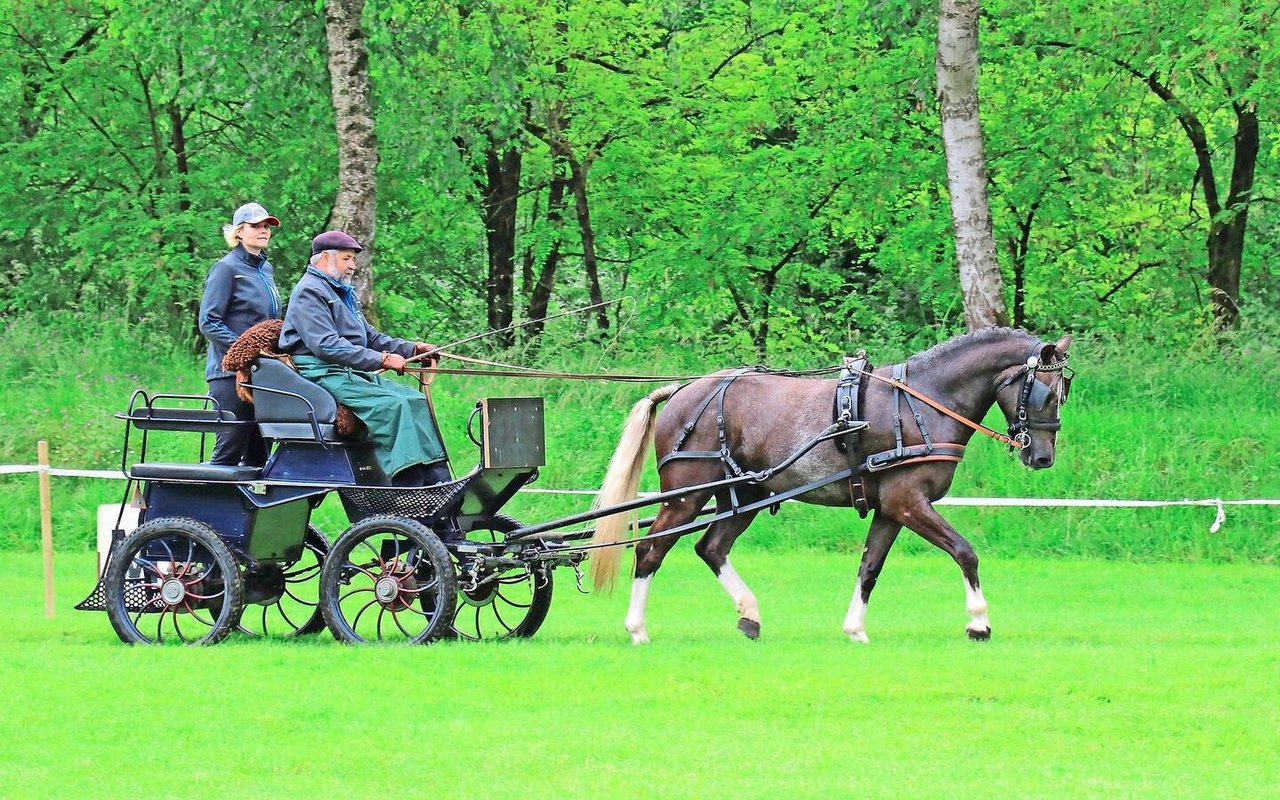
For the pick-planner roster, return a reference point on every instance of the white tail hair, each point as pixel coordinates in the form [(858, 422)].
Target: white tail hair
[(621, 483)]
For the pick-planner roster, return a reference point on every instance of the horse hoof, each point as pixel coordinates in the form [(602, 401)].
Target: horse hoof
[(749, 627), (860, 637), (639, 637), (979, 634)]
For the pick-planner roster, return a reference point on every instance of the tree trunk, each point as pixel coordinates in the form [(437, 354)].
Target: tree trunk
[(957, 70), (502, 170), (1226, 236), (355, 206), (590, 265), (540, 299)]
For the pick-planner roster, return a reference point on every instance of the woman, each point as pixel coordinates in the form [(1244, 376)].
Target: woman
[(239, 292)]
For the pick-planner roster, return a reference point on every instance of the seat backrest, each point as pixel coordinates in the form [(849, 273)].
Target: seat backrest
[(272, 406)]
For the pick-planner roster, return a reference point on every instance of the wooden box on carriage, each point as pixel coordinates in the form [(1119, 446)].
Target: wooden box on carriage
[(512, 433)]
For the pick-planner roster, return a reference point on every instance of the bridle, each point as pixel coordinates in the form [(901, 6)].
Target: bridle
[(1035, 394)]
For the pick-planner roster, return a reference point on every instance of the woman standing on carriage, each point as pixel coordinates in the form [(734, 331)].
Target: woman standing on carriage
[(239, 292)]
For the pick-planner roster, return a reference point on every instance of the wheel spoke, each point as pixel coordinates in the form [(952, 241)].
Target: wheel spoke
[(283, 615), (376, 555), (395, 617), (500, 596), (355, 622), (497, 614)]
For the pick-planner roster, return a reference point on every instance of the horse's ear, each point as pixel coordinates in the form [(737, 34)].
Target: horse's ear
[(1063, 344)]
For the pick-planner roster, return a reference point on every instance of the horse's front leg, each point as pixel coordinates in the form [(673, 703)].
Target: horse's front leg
[(880, 538), (919, 515)]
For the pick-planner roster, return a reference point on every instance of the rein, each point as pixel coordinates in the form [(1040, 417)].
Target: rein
[(963, 420), (516, 371), (1016, 442)]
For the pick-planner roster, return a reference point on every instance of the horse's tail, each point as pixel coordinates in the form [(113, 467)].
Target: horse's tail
[(621, 483)]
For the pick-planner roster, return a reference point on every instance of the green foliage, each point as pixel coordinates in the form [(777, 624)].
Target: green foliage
[(768, 176)]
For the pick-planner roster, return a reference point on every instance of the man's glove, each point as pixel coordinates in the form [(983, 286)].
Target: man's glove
[(423, 347), (393, 362)]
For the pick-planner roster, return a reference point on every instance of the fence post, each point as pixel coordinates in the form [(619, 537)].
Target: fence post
[(46, 524)]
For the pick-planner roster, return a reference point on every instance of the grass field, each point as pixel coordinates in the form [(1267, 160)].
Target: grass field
[(1103, 679)]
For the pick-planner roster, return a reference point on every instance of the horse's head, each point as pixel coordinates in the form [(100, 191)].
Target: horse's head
[(1030, 395)]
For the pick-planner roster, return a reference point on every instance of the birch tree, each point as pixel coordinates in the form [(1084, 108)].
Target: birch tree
[(355, 203), (957, 68)]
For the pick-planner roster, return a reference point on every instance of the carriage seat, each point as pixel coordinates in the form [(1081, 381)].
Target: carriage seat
[(283, 399), (194, 472)]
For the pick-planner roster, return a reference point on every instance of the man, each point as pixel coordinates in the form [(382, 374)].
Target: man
[(333, 345)]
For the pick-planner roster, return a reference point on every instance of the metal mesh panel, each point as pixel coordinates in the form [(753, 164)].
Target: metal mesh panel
[(137, 597), (416, 502)]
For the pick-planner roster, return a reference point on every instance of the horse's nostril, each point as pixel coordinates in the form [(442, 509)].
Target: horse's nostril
[(1044, 461)]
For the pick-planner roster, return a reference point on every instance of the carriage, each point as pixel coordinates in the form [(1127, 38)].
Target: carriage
[(223, 548)]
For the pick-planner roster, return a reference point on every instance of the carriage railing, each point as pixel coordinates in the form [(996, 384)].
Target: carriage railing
[(210, 417)]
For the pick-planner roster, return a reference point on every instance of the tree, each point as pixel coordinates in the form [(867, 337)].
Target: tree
[(1212, 68), (355, 204), (957, 68)]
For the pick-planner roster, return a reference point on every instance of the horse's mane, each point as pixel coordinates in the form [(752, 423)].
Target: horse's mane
[(948, 349)]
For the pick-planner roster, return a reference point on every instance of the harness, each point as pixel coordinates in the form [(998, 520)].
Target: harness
[(731, 468), (848, 407), (847, 412)]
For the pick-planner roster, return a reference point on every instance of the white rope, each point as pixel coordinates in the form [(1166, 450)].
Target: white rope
[(1023, 502)]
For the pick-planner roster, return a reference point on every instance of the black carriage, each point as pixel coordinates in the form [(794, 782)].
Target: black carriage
[(221, 548)]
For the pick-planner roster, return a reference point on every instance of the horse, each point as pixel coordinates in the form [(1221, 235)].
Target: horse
[(903, 459)]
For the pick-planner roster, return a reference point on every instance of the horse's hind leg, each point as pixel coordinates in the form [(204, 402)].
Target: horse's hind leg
[(920, 516), (880, 537), (649, 555), (714, 547)]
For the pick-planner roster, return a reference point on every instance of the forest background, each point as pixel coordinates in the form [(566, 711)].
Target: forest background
[(765, 180)]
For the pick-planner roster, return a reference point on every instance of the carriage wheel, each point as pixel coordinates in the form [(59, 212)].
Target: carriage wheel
[(387, 579), (173, 581), (505, 604), (291, 592)]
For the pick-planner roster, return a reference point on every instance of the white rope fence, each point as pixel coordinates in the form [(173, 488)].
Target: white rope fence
[(45, 471)]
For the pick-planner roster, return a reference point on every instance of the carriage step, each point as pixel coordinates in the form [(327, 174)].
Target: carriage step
[(195, 472), (138, 597)]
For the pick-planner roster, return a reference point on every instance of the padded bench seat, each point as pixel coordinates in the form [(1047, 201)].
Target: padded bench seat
[(195, 472)]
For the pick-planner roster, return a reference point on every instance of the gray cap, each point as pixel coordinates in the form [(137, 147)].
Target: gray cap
[(334, 240), (253, 214)]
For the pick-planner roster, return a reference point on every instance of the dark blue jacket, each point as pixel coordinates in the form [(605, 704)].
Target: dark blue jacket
[(239, 292), (324, 321)]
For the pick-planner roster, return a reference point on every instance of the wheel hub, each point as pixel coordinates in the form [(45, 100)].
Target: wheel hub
[(395, 592), (172, 591), (386, 589)]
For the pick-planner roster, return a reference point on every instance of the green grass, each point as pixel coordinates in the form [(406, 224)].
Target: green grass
[(1102, 680)]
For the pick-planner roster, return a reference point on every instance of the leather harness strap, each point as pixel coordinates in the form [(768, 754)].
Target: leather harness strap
[(963, 420)]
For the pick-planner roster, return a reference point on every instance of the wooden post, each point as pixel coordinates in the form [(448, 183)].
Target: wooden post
[(46, 524)]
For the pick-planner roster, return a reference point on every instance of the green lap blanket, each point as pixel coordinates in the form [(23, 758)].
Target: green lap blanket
[(398, 418)]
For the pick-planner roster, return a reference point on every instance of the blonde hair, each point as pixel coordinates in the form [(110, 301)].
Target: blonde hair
[(231, 233)]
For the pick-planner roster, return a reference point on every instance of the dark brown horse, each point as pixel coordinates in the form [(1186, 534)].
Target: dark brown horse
[(767, 417)]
